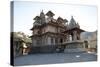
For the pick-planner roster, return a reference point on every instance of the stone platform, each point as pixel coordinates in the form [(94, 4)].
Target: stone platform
[(75, 46), (72, 46)]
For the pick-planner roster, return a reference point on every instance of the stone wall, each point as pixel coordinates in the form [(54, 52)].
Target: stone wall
[(42, 49)]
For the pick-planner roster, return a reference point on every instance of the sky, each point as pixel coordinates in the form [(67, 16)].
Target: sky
[(25, 11)]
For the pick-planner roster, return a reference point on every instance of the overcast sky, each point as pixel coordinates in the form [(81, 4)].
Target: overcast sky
[(24, 12)]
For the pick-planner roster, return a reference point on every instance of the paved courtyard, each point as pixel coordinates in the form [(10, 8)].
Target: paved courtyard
[(54, 58)]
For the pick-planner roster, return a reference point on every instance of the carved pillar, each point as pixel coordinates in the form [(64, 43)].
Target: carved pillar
[(74, 35), (49, 41), (70, 37), (67, 37), (78, 36), (46, 40), (54, 40)]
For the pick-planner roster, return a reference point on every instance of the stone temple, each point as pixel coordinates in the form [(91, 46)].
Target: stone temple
[(55, 35)]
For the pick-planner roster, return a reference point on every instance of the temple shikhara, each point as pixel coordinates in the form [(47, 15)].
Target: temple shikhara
[(55, 35)]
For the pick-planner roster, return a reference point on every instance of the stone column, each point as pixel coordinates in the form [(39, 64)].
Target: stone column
[(49, 41), (54, 40), (83, 45), (46, 40), (78, 35), (74, 35), (70, 38)]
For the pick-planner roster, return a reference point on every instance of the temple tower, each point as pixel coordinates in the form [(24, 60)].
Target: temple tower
[(49, 15), (74, 43), (42, 17), (74, 30)]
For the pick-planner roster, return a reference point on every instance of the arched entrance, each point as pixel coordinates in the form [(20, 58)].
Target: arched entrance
[(61, 40)]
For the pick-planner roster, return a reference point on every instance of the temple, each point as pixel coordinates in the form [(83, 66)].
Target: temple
[(54, 35)]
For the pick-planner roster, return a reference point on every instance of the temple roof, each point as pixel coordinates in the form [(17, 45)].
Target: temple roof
[(78, 25), (49, 13), (71, 30), (37, 18), (65, 20), (59, 18), (77, 29), (69, 27), (72, 21)]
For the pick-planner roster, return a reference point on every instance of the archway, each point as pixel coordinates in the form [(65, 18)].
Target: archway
[(61, 40)]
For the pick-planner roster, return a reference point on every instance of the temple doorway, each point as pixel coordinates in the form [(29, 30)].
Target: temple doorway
[(86, 44)]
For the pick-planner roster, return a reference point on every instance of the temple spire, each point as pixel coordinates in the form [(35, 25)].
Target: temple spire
[(72, 23), (71, 16), (42, 10), (42, 16)]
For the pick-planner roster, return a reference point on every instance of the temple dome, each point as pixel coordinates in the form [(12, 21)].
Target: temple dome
[(73, 24)]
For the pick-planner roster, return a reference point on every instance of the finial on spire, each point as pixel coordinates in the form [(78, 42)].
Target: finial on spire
[(41, 13), (71, 16), (42, 10)]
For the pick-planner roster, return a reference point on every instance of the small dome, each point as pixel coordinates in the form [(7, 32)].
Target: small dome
[(78, 26)]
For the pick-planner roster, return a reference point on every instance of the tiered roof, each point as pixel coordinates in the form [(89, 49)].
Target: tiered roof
[(37, 18), (62, 20), (50, 13), (72, 25)]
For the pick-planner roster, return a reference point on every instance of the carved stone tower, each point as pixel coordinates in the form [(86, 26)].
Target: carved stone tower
[(42, 17), (74, 30)]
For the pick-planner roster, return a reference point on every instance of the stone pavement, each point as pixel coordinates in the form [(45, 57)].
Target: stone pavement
[(54, 58)]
